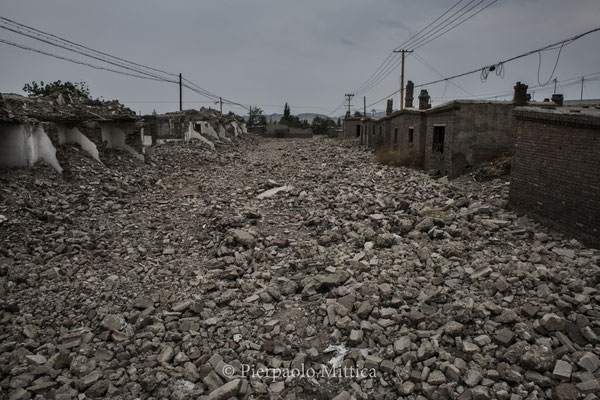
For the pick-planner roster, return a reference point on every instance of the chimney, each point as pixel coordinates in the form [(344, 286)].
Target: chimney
[(520, 98), (389, 108), (424, 100), (410, 88), (557, 99)]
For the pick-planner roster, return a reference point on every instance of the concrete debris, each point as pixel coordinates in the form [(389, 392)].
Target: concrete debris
[(171, 279)]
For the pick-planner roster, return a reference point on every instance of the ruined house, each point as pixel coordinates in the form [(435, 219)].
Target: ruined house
[(351, 128), (463, 133), (371, 132), (33, 129), (555, 173), (404, 130), (205, 125)]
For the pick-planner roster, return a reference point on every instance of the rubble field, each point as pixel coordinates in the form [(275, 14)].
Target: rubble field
[(291, 269)]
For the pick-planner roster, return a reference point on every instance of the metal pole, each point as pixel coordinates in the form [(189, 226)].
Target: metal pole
[(221, 102), (555, 81), (180, 93)]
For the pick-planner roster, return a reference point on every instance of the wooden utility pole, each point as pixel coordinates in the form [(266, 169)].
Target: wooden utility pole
[(180, 93), (349, 96), (365, 106), (402, 77)]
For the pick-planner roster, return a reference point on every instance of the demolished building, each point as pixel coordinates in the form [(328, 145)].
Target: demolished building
[(463, 133), (449, 139), (206, 125), (32, 129), (404, 130), (351, 128)]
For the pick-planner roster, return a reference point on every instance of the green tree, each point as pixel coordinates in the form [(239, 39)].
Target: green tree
[(256, 117), (357, 114), (291, 120), (78, 89), (319, 125)]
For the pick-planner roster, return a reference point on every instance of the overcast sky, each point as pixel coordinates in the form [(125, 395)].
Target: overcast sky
[(308, 53)]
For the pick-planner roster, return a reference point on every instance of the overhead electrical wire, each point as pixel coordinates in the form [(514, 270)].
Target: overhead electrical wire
[(69, 48), (84, 47), (553, 46), (421, 43), (384, 74), (80, 62), (415, 43), (427, 65), (394, 55), (66, 44)]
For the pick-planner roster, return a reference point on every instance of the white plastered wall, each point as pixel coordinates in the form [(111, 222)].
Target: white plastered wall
[(115, 138), (238, 128), (207, 129), (191, 133), (22, 145), (223, 132), (74, 135)]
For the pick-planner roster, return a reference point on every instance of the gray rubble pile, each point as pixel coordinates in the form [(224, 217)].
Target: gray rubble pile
[(61, 106), (191, 276)]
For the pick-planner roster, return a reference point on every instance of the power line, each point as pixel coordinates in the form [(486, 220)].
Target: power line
[(545, 48), (421, 43), (431, 23), (82, 46), (444, 23), (395, 56), (63, 43), (393, 64), (426, 64), (81, 62), (69, 48)]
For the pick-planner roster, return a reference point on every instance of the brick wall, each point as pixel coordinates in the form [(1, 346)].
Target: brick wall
[(403, 122), (475, 132), (556, 171), (350, 125), (435, 160)]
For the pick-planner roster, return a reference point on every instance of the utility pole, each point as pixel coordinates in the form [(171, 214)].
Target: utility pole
[(373, 112), (365, 106), (581, 98), (555, 82), (349, 96), (221, 103), (180, 93), (402, 77)]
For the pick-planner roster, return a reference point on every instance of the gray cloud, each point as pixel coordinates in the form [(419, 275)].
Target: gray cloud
[(308, 53)]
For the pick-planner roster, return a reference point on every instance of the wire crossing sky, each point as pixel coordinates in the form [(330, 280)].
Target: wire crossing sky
[(309, 54)]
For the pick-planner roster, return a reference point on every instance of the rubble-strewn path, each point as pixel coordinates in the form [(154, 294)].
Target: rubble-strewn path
[(172, 279)]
